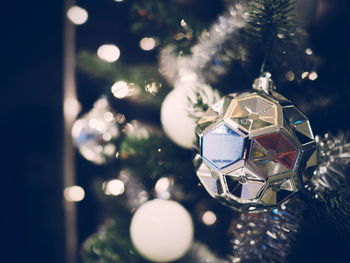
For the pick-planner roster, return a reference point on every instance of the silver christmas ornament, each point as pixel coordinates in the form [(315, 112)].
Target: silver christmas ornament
[(252, 147), (94, 134)]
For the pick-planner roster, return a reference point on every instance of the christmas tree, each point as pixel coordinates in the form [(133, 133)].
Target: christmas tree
[(264, 175)]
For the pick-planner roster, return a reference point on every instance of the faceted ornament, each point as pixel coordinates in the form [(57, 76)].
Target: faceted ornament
[(253, 113), (244, 184), (211, 182), (222, 146), (252, 148)]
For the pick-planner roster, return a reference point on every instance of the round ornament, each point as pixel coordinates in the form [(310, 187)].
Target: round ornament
[(177, 121), (94, 134), (161, 230), (252, 148)]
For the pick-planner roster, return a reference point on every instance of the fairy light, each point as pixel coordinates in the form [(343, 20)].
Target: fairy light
[(109, 53), (148, 43), (308, 51), (313, 75), (74, 193), (113, 187), (209, 218), (77, 15), (304, 74)]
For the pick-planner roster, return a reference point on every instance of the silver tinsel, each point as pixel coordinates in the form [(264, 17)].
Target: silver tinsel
[(210, 56), (266, 236), (200, 253), (333, 163)]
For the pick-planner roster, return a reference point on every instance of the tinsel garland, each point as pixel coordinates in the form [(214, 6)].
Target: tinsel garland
[(209, 57), (266, 236)]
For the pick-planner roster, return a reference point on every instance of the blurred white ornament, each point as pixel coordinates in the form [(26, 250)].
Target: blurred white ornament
[(161, 230), (94, 134), (178, 114)]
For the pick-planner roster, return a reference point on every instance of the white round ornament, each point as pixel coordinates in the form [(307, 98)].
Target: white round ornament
[(161, 230), (178, 116)]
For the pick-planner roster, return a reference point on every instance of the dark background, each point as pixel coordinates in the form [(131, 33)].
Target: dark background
[(31, 121)]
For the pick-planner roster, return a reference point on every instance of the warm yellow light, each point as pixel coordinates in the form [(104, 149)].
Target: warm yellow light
[(74, 193), (148, 43), (209, 218), (113, 187), (109, 53), (77, 15)]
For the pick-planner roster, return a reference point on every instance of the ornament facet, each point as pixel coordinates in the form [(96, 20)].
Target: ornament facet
[(251, 148), (94, 134)]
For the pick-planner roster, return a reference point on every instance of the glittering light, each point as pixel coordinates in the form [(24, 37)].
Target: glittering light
[(109, 53), (153, 87), (290, 75), (148, 43), (304, 74), (308, 51), (122, 89), (77, 15), (74, 193), (313, 75), (113, 187), (209, 218)]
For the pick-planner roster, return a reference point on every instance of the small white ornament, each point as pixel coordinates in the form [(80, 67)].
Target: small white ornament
[(177, 109), (161, 230)]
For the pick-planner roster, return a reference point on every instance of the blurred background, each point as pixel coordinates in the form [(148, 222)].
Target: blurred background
[(32, 116)]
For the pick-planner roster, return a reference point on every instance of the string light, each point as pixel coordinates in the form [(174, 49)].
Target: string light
[(209, 218), (109, 53), (77, 15), (74, 193), (313, 75), (148, 43), (113, 187), (308, 51)]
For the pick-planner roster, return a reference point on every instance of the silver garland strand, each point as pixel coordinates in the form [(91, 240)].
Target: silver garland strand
[(266, 236), (334, 160), (200, 253), (210, 56)]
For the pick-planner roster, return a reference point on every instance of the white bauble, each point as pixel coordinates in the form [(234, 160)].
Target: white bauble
[(176, 122), (177, 113), (161, 230)]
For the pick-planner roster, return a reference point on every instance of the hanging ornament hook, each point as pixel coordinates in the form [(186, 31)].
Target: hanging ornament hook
[(264, 83)]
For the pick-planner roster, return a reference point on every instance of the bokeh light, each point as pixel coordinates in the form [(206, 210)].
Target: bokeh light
[(74, 193), (113, 187), (77, 15), (209, 218), (109, 53), (148, 43)]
